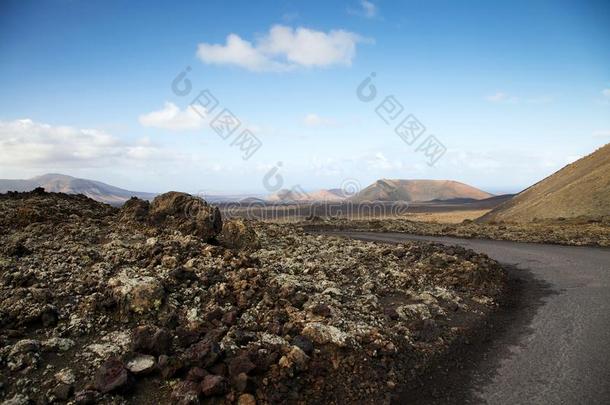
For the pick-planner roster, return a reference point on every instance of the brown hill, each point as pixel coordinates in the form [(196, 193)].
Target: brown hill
[(60, 183), (285, 195), (580, 189), (418, 190)]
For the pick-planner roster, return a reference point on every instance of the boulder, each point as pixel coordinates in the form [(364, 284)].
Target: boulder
[(187, 214), (295, 358), (25, 346), (238, 234), (135, 293), (323, 334), (134, 210)]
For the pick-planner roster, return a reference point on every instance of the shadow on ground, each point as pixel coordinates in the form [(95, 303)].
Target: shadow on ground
[(474, 360)]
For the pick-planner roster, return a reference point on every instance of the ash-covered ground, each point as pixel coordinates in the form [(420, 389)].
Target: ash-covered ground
[(164, 303), (572, 232)]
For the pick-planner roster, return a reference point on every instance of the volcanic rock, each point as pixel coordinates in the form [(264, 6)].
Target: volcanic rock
[(138, 294), (150, 339), (186, 393), (112, 376), (187, 214), (238, 234), (213, 385)]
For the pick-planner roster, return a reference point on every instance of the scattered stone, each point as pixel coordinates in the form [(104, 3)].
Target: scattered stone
[(63, 391), (25, 346), (295, 358), (203, 353), (16, 248), (151, 339), (213, 385), (321, 310), (138, 294), (426, 330), (186, 393), (246, 399), (141, 364), (299, 318), (303, 343), (196, 374), (240, 364), (169, 366), (18, 399), (243, 383), (323, 334), (49, 316), (112, 376), (85, 397), (183, 274), (104, 350), (229, 318), (65, 376), (57, 344)]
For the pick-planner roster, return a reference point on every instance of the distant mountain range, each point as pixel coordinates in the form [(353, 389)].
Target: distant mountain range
[(390, 190), (419, 190), (60, 183), (285, 195), (580, 189), (381, 190)]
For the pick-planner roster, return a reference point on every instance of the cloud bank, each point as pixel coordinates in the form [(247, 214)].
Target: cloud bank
[(170, 117), (284, 48), (26, 143)]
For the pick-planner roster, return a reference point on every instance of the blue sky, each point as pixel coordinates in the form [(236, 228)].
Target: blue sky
[(513, 90)]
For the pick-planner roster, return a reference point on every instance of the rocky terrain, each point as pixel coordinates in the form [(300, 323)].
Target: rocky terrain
[(162, 302), (576, 231)]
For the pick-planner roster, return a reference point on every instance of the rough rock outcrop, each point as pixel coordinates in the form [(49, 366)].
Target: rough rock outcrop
[(238, 234), (188, 214), (175, 211), (100, 300)]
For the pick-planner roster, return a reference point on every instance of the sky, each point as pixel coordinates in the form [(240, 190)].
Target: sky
[(247, 97)]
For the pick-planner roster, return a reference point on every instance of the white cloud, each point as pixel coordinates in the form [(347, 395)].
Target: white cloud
[(314, 120), (284, 48), (606, 93), (499, 96), (367, 9), (25, 143), (379, 161), (172, 118), (602, 133)]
